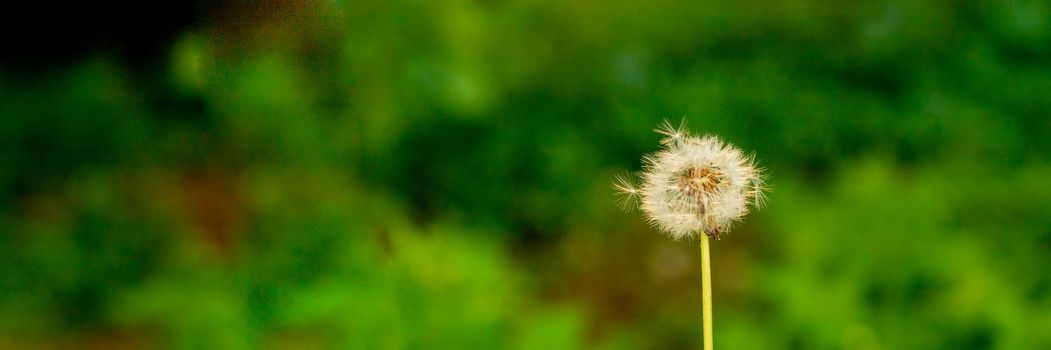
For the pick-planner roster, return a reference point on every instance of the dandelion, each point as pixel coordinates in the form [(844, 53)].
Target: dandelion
[(695, 187)]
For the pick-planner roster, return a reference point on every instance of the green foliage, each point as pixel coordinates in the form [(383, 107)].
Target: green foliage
[(409, 175)]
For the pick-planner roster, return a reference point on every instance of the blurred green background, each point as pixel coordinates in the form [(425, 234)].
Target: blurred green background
[(413, 174)]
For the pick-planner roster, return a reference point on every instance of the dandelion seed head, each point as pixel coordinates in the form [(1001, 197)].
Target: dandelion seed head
[(695, 185)]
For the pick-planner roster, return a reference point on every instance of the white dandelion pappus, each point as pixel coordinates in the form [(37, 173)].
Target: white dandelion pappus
[(624, 185), (695, 184)]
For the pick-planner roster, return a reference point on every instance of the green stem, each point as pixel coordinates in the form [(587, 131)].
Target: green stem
[(706, 290)]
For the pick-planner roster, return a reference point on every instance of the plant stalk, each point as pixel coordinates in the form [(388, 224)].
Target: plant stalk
[(706, 290)]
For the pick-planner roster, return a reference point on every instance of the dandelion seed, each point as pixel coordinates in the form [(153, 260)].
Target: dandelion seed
[(671, 133), (626, 189)]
